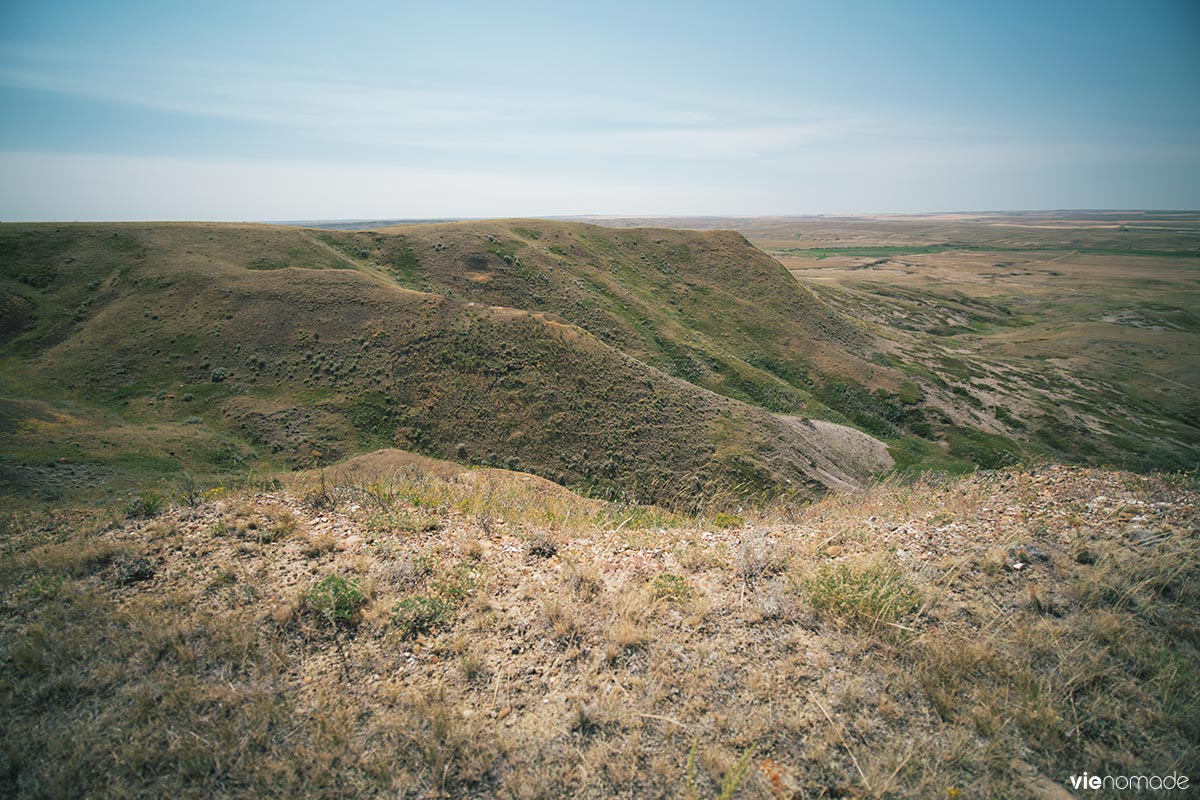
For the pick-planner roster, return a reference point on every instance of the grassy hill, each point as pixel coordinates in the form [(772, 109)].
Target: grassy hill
[(1071, 335), (703, 306), (950, 372), (656, 363), (707, 306), (215, 348)]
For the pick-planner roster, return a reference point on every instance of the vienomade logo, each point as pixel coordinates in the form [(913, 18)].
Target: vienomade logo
[(1137, 783)]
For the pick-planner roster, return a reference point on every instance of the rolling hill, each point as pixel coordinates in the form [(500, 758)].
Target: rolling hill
[(648, 363), (989, 352), (216, 347)]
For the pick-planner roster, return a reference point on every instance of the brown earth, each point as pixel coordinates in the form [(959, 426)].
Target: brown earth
[(987, 636)]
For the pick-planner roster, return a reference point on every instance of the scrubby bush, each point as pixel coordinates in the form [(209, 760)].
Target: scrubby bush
[(131, 568), (419, 614), (670, 587), (146, 505), (336, 599), (541, 545)]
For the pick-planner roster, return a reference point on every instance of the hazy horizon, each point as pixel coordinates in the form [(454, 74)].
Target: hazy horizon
[(347, 222), (282, 112)]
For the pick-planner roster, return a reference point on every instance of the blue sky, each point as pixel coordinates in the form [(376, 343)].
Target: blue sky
[(264, 110)]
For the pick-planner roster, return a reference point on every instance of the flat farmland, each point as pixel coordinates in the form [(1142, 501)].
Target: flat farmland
[(1114, 336)]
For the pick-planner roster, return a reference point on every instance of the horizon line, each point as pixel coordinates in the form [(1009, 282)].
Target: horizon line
[(416, 220)]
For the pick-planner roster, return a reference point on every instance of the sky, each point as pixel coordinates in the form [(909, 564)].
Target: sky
[(248, 110)]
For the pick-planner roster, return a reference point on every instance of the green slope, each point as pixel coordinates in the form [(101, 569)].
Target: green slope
[(212, 347), (704, 306)]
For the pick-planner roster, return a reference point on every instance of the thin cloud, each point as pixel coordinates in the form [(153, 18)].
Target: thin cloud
[(351, 111), (88, 187)]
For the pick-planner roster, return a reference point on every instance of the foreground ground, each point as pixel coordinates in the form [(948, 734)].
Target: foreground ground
[(403, 627)]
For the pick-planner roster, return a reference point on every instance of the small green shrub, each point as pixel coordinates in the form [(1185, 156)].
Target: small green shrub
[(454, 584), (670, 587), (725, 520), (336, 599), (130, 568), (44, 586), (146, 505), (419, 614), (188, 492)]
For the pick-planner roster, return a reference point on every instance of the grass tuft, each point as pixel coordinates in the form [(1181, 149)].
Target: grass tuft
[(670, 587), (419, 614), (871, 595)]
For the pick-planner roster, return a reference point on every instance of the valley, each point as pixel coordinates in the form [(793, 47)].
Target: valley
[(759, 507), (639, 362)]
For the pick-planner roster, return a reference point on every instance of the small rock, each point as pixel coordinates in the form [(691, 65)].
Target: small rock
[(1028, 553), (1139, 535), (1034, 553)]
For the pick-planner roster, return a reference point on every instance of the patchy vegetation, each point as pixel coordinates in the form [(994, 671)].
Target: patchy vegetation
[(236, 348), (646, 364), (205, 591), (984, 636), (1035, 334)]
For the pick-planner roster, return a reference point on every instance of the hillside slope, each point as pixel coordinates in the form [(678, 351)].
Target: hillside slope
[(281, 343), (1071, 335), (411, 629), (899, 362), (706, 307)]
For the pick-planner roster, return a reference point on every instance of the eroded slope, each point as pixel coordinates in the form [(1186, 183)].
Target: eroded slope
[(313, 354)]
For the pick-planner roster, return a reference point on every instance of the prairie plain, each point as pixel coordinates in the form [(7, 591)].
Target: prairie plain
[(880, 507)]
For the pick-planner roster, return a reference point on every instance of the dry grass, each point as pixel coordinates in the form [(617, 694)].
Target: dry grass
[(414, 500), (912, 664), (872, 593)]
